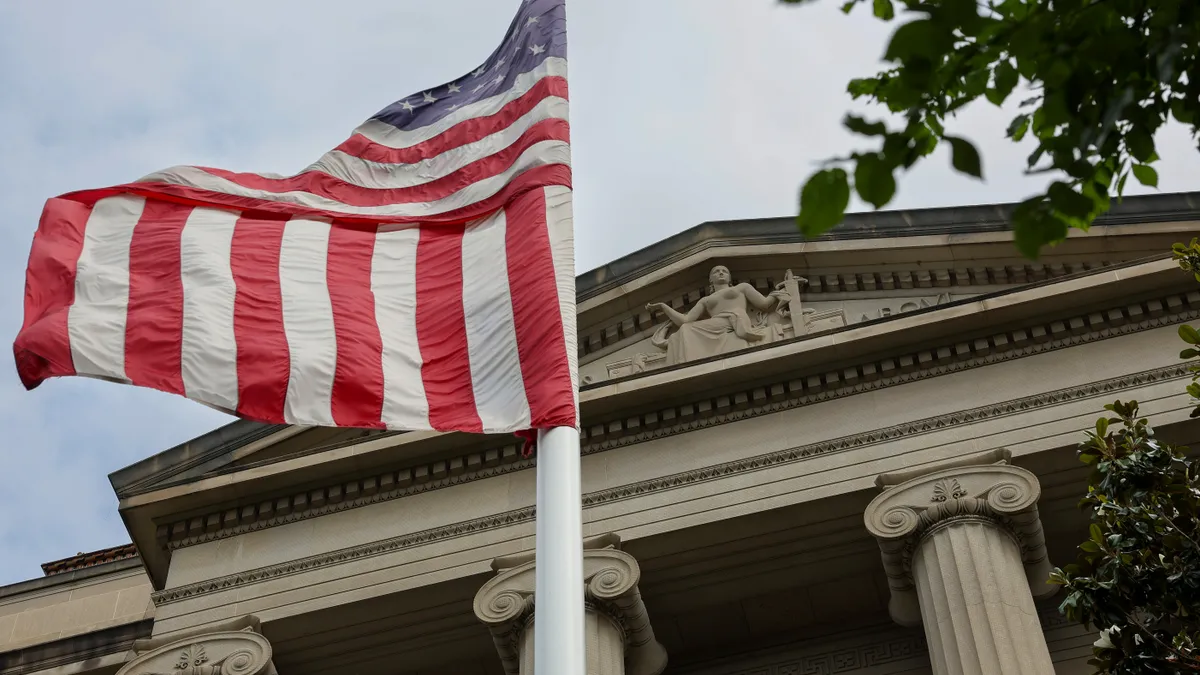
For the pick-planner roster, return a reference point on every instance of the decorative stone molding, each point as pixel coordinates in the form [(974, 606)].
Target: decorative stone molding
[(683, 418), (965, 555), (682, 479), (621, 639), (982, 487), (234, 649)]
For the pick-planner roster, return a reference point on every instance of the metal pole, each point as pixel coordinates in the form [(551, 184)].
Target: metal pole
[(558, 610)]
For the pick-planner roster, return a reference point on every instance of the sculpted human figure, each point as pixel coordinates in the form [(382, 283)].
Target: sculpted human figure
[(719, 323)]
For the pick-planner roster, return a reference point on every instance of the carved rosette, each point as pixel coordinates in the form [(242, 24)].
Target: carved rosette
[(231, 652), (982, 488), (506, 605)]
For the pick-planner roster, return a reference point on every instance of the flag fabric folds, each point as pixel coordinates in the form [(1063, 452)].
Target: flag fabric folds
[(418, 276)]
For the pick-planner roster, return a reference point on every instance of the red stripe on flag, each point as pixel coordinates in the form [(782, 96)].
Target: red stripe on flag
[(467, 131), (154, 321), (43, 347), (358, 377), (540, 341), (336, 189), (442, 331), (263, 360)]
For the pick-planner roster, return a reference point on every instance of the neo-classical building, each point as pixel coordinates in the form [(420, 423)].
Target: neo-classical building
[(857, 456)]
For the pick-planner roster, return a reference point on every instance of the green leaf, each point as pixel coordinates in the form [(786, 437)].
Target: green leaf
[(1034, 226), (964, 157), (1069, 201), (823, 201), (1018, 127), (884, 10), (1189, 354), (1095, 533), (921, 39), (874, 181), (1145, 174), (1003, 82), (1189, 334), (1140, 144), (846, 8), (860, 125)]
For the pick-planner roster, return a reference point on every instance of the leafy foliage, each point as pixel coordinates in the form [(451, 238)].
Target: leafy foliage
[(1105, 75), (1137, 577)]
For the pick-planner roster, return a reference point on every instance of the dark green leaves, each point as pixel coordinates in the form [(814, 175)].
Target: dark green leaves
[(1103, 77), (1189, 334), (1004, 80), (1068, 201), (964, 157), (823, 201), (1145, 174), (874, 181), (920, 39), (1140, 144), (861, 126)]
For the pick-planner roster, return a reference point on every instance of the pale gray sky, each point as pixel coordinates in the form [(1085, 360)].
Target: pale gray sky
[(682, 111)]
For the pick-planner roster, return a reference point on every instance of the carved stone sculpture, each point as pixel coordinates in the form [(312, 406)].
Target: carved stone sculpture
[(720, 322), (235, 648), (619, 636), (964, 554)]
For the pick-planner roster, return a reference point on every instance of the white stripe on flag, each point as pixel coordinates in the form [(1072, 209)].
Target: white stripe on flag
[(491, 332), (96, 320), (394, 284), (209, 350), (307, 322), (559, 222)]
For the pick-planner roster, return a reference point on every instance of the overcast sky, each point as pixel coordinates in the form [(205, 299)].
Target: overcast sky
[(682, 111)]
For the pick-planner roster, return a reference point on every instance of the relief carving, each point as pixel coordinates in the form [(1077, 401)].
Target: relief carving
[(237, 650), (731, 318)]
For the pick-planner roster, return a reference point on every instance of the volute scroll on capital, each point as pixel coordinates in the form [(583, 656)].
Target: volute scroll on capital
[(979, 488), (228, 652)]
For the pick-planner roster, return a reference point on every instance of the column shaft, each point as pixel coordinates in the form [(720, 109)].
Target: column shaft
[(976, 606)]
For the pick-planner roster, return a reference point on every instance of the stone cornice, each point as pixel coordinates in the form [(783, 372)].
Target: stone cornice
[(708, 412), (682, 479)]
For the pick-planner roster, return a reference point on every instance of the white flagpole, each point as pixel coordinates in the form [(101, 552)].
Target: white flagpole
[(558, 600)]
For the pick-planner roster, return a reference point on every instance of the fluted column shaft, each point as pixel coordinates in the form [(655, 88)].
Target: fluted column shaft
[(976, 606), (965, 556)]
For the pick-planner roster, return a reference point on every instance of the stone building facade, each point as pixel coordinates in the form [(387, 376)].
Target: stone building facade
[(846, 455)]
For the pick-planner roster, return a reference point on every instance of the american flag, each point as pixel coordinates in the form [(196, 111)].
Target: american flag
[(418, 276)]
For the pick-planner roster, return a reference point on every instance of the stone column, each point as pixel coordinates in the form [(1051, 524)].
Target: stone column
[(234, 648), (619, 639), (964, 554)]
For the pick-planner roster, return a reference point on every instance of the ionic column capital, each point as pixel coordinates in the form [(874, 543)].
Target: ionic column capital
[(234, 648), (982, 487), (506, 604)]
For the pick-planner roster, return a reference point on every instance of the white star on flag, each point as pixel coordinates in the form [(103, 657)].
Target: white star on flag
[(429, 98), (532, 20), (537, 49), (408, 107), (478, 71), (454, 88)]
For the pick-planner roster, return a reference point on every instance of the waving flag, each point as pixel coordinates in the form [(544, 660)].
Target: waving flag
[(418, 276)]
